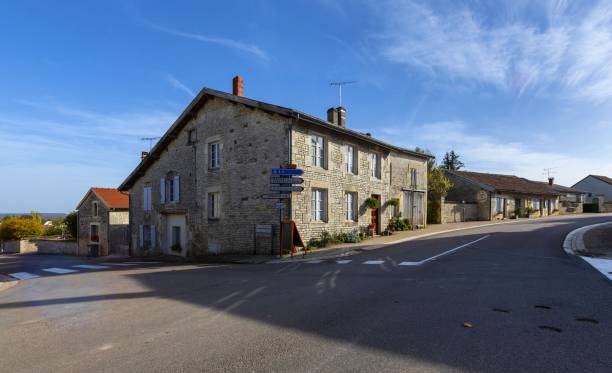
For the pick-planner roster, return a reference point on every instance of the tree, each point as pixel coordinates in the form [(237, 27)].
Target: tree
[(71, 224), (15, 228), (451, 161)]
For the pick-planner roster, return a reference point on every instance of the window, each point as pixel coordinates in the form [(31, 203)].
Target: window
[(175, 188), (535, 203), (375, 165), (319, 205), (147, 236), (214, 205), (94, 207), (351, 159), (94, 233), (351, 206), (176, 236), (553, 204), (146, 194), (192, 136), (413, 178), (499, 205), (214, 153), (317, 151)]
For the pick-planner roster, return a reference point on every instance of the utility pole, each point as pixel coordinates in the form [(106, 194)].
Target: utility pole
[(340, 85), (150, 140)]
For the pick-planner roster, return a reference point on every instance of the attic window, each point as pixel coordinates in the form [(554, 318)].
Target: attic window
[(192, 136), (94, 208)]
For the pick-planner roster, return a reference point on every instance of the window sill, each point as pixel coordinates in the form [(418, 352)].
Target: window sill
[(214, 169), (214, 219)]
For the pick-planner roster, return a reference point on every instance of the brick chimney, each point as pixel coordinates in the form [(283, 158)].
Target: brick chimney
[(551, 180), (237, 85), (337, 116)]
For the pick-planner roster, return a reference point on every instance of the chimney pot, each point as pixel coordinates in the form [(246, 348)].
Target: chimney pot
[(237, 86), (551, 180), (341, 116), (143, 155), (332, 115)]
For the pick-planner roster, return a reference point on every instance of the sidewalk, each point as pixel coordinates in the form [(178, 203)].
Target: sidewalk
[(347, 249), (598, 241)]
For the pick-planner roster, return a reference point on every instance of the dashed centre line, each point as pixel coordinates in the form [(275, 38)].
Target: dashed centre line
[(374, 262), (23, 275), (90, 266), (59, 271)]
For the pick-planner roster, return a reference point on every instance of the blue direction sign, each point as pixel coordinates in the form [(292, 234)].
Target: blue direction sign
[(286, 180), (287, 171), (276, 196), (288, 188)]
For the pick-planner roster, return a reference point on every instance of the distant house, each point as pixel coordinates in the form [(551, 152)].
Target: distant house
[(484, 196), (571, 200), (596, 186), (103, 223)]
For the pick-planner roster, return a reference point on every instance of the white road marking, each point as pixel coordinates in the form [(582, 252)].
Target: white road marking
[(119, 264), (314, 261), (374, 262), (343, 261), (59, 271), (444, 253), (90, 266), (143, 262), (23, 275), (602, 265)]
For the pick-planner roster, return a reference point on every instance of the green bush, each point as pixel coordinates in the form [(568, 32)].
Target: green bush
[(327, 239), (15, 228), (398, 224), (433, 211), (71, 224), (372, 202)]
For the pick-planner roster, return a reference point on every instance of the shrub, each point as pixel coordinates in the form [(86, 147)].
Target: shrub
[(71, 224), (393, 202), (16, 228), (372, 202), (327, 239), (398, 224)]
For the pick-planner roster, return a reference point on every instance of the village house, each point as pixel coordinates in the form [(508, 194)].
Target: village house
[(103, 223), (484, 196), (199, 191), (597, 188)]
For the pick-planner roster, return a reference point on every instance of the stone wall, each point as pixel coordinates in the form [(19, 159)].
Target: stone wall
[(86, 219), (252, 142), (454, 212), (40, 246)]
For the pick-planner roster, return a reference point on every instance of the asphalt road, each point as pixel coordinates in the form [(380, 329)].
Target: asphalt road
[(529, 307)]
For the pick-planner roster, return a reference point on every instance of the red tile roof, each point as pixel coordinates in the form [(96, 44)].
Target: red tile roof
[(509, 183), (112, 198)]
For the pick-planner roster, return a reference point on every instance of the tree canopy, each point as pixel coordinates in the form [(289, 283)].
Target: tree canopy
[(451, 161)]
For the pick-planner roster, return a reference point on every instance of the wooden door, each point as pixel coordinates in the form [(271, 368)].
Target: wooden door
[(375, 215)]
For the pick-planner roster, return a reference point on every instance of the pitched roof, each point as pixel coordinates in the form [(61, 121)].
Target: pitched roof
[(563, 189), (605, 179), (508, 183), (111, 197), (206, 93)]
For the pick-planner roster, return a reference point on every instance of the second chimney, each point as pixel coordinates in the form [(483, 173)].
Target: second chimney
[(237, 85), (551, 180), (337, 116)]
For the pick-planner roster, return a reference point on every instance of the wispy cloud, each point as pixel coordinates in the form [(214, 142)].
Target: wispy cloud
[(179, 85), (569, 49), (490, 154), (226, 42)]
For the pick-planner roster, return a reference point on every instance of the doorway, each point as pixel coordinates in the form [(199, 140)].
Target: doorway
[(375, 215), (176, 235)]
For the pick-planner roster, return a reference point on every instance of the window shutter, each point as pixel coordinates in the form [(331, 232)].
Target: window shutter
[(176, 188), (220, 158), (153, 237), (141, 236), (311, 152), (162, 190)]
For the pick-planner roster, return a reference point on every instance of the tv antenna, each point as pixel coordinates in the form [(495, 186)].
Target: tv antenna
[(150, 140), (548, 171), (340, 85)]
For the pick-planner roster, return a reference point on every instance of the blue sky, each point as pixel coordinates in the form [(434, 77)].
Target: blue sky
[(513, 87)]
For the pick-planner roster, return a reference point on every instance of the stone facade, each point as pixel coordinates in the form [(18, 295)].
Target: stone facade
[(40, 246), (112, 228), (252, 141)]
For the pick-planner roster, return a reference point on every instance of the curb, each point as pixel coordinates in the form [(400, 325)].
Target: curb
[(574, 241), (7, 282)]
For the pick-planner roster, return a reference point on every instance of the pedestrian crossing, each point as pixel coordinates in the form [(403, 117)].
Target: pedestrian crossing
[(366, 262), (76, 268)]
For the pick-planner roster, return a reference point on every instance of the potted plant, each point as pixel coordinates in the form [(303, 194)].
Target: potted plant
[(371, 229), (176, 247), (372, 202), (393, 202)]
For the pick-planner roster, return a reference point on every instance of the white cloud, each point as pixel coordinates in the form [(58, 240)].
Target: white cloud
[(179, 85), (487, 154), (569, 49), (229, 43)]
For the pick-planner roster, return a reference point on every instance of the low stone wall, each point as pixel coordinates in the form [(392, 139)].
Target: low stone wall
[(454, 212), (607, 207), (40, 246)]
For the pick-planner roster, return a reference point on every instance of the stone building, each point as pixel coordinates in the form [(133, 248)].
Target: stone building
[(103, 223), (199, 190), (484, 196)]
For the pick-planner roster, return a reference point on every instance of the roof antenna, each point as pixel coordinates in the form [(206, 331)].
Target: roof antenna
[(548, 171), (150, 140), (339, 85)]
